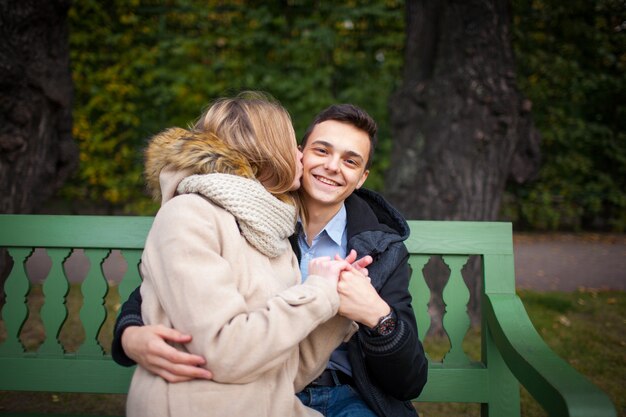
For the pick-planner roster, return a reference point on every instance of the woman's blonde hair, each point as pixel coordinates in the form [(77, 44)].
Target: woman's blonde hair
[(256, 125)]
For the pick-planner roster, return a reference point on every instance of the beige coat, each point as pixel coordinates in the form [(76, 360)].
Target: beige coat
[(263, 333)]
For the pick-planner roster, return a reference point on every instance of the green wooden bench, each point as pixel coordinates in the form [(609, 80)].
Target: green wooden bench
[(512, 351)]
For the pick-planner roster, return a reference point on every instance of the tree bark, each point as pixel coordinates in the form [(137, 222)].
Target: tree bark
[(37, 152), (460, 126)]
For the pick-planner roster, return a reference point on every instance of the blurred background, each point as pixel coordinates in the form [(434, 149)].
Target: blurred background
[(503, 110), (507, 110)]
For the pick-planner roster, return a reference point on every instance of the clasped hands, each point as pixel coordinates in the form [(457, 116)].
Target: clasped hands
[(359, 300)]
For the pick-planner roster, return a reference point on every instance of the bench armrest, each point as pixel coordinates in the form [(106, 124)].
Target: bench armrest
[(558, 387)]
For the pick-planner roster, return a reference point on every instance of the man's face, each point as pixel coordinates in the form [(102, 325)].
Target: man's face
[(334, 160)]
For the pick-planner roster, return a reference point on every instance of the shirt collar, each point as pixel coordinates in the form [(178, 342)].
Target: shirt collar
[(334, 228), (337, 225)]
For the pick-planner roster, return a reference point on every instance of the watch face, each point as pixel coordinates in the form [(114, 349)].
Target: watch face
[(386, 326)]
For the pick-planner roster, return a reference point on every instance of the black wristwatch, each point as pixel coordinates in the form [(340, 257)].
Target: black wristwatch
[(386, 325)]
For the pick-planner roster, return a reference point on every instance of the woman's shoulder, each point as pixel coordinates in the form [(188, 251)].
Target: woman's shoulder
[(191, 208)]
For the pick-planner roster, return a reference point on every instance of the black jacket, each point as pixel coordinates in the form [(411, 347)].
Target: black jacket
[(390, 370)]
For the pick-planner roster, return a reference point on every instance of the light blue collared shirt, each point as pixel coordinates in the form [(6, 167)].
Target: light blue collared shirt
[(332, 240)]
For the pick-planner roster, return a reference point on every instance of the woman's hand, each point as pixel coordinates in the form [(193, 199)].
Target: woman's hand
[(325, 267), (148, 346)]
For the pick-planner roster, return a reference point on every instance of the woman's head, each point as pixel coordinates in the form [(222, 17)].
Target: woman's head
[(259, 128)]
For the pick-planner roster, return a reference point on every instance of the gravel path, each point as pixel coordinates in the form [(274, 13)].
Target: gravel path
[(567, 262)]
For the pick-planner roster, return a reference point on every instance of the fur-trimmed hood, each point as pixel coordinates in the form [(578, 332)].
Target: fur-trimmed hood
[(177, 153)]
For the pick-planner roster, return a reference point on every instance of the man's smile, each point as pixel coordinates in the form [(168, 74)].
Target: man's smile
[(326, 180)]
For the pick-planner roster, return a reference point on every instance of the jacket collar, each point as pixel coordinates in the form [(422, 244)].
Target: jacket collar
[(369, 211)]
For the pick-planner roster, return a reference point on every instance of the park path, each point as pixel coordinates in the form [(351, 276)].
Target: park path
[(567, 262)]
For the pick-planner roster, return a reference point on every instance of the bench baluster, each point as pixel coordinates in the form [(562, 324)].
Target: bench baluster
[(456, 321), (132, 278), (420, 289), (15, 309), (54, 310), (93, 312)]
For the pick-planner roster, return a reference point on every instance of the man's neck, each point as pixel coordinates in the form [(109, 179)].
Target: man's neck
[(318, 216)]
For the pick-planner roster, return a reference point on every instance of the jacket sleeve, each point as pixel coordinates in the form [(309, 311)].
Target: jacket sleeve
[(130, 315), (396, 363), (196, 287)]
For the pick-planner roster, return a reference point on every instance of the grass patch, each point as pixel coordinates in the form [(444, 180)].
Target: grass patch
[(586, 328), (590, 335)]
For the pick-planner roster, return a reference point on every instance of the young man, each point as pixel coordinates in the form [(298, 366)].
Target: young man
[(383, 366)]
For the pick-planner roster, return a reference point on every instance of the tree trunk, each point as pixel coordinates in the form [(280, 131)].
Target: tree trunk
[(37, 152), (460, 126)]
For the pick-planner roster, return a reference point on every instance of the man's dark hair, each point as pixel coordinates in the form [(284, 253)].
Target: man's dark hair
[(351, 114)]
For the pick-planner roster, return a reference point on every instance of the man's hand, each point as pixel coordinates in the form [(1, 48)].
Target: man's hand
[(359, 300), (360, 265), (147, 345)]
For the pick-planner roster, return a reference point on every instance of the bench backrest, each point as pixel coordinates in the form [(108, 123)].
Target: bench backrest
[(488, 246), (49, 368)]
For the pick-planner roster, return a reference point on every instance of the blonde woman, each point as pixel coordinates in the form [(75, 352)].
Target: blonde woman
[(217, 265)]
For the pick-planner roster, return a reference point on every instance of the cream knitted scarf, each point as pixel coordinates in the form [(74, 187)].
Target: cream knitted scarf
[(265, 221)]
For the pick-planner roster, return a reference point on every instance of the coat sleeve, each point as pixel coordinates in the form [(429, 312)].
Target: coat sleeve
[(130, 315), (197, 290), (316, 349), (396, 363)]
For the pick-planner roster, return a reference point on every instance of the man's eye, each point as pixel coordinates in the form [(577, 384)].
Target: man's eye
[(320, 150)]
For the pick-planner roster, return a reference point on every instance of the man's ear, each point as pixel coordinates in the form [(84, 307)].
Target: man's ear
[(363, 178)]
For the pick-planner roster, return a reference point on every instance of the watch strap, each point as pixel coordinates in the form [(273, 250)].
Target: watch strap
[(386, 324)]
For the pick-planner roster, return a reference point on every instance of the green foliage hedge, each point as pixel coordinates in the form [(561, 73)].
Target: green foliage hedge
[(140, 66), (571, 60)]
